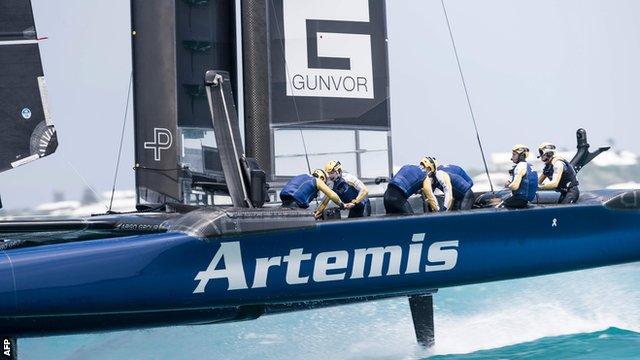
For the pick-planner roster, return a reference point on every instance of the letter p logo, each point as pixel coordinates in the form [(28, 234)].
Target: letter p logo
[(162, 140)]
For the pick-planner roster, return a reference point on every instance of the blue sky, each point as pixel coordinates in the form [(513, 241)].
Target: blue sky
[(536, 70)]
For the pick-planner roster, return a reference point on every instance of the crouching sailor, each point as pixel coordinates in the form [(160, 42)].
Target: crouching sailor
[(561, 175), (406, 182), (300, 190), (524, 181), (352, 192), (453, 181)]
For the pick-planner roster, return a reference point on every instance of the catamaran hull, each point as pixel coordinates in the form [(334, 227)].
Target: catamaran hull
[(175, 278)]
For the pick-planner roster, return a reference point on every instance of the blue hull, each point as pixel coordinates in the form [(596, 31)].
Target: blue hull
[(174, 278)]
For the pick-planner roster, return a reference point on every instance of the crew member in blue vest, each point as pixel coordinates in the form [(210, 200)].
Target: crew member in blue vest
[(453, 181), (349, 188), (561, 174), (455, 169), (523, 182), (300, 190), (406, 182)]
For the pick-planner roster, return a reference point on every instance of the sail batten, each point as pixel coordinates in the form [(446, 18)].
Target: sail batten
[(18, 42)]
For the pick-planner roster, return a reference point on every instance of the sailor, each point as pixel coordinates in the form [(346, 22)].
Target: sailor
[(349, 188), (561, 175), (523, 182), (300, 190), (406, 182), (452, 180), (455, 169)]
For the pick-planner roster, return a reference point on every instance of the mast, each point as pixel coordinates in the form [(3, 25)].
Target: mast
[(255, 50)]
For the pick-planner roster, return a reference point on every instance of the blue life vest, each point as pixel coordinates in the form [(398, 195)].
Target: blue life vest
[(458, 183), (409, 179), (567, 180), (302, 189), (455, 169), (528, 186), (345, 191)]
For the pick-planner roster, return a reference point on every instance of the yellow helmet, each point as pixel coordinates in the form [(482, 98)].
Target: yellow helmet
[(320, 174), (521, 150), (429, 163), (545, 148), (332, 166)]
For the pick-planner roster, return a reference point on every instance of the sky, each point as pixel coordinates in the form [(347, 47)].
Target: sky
[(536, 71)]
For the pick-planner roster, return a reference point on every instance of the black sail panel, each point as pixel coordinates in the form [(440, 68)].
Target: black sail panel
[(155, 107), (16, 20), (204, 41), (27, 132)]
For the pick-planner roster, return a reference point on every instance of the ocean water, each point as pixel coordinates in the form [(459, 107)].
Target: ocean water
[(590, 314)]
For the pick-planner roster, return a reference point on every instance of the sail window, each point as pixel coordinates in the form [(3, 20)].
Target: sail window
[(363, 153), (197, 145)]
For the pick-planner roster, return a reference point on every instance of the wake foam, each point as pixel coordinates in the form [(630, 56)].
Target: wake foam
[(528, 309)]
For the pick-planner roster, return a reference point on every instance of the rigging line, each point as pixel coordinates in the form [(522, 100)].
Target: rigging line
[(124, 124), (466, 92), (86, 183), (295, 103)]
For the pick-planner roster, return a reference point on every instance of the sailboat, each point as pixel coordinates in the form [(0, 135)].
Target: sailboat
[(183, 260)]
